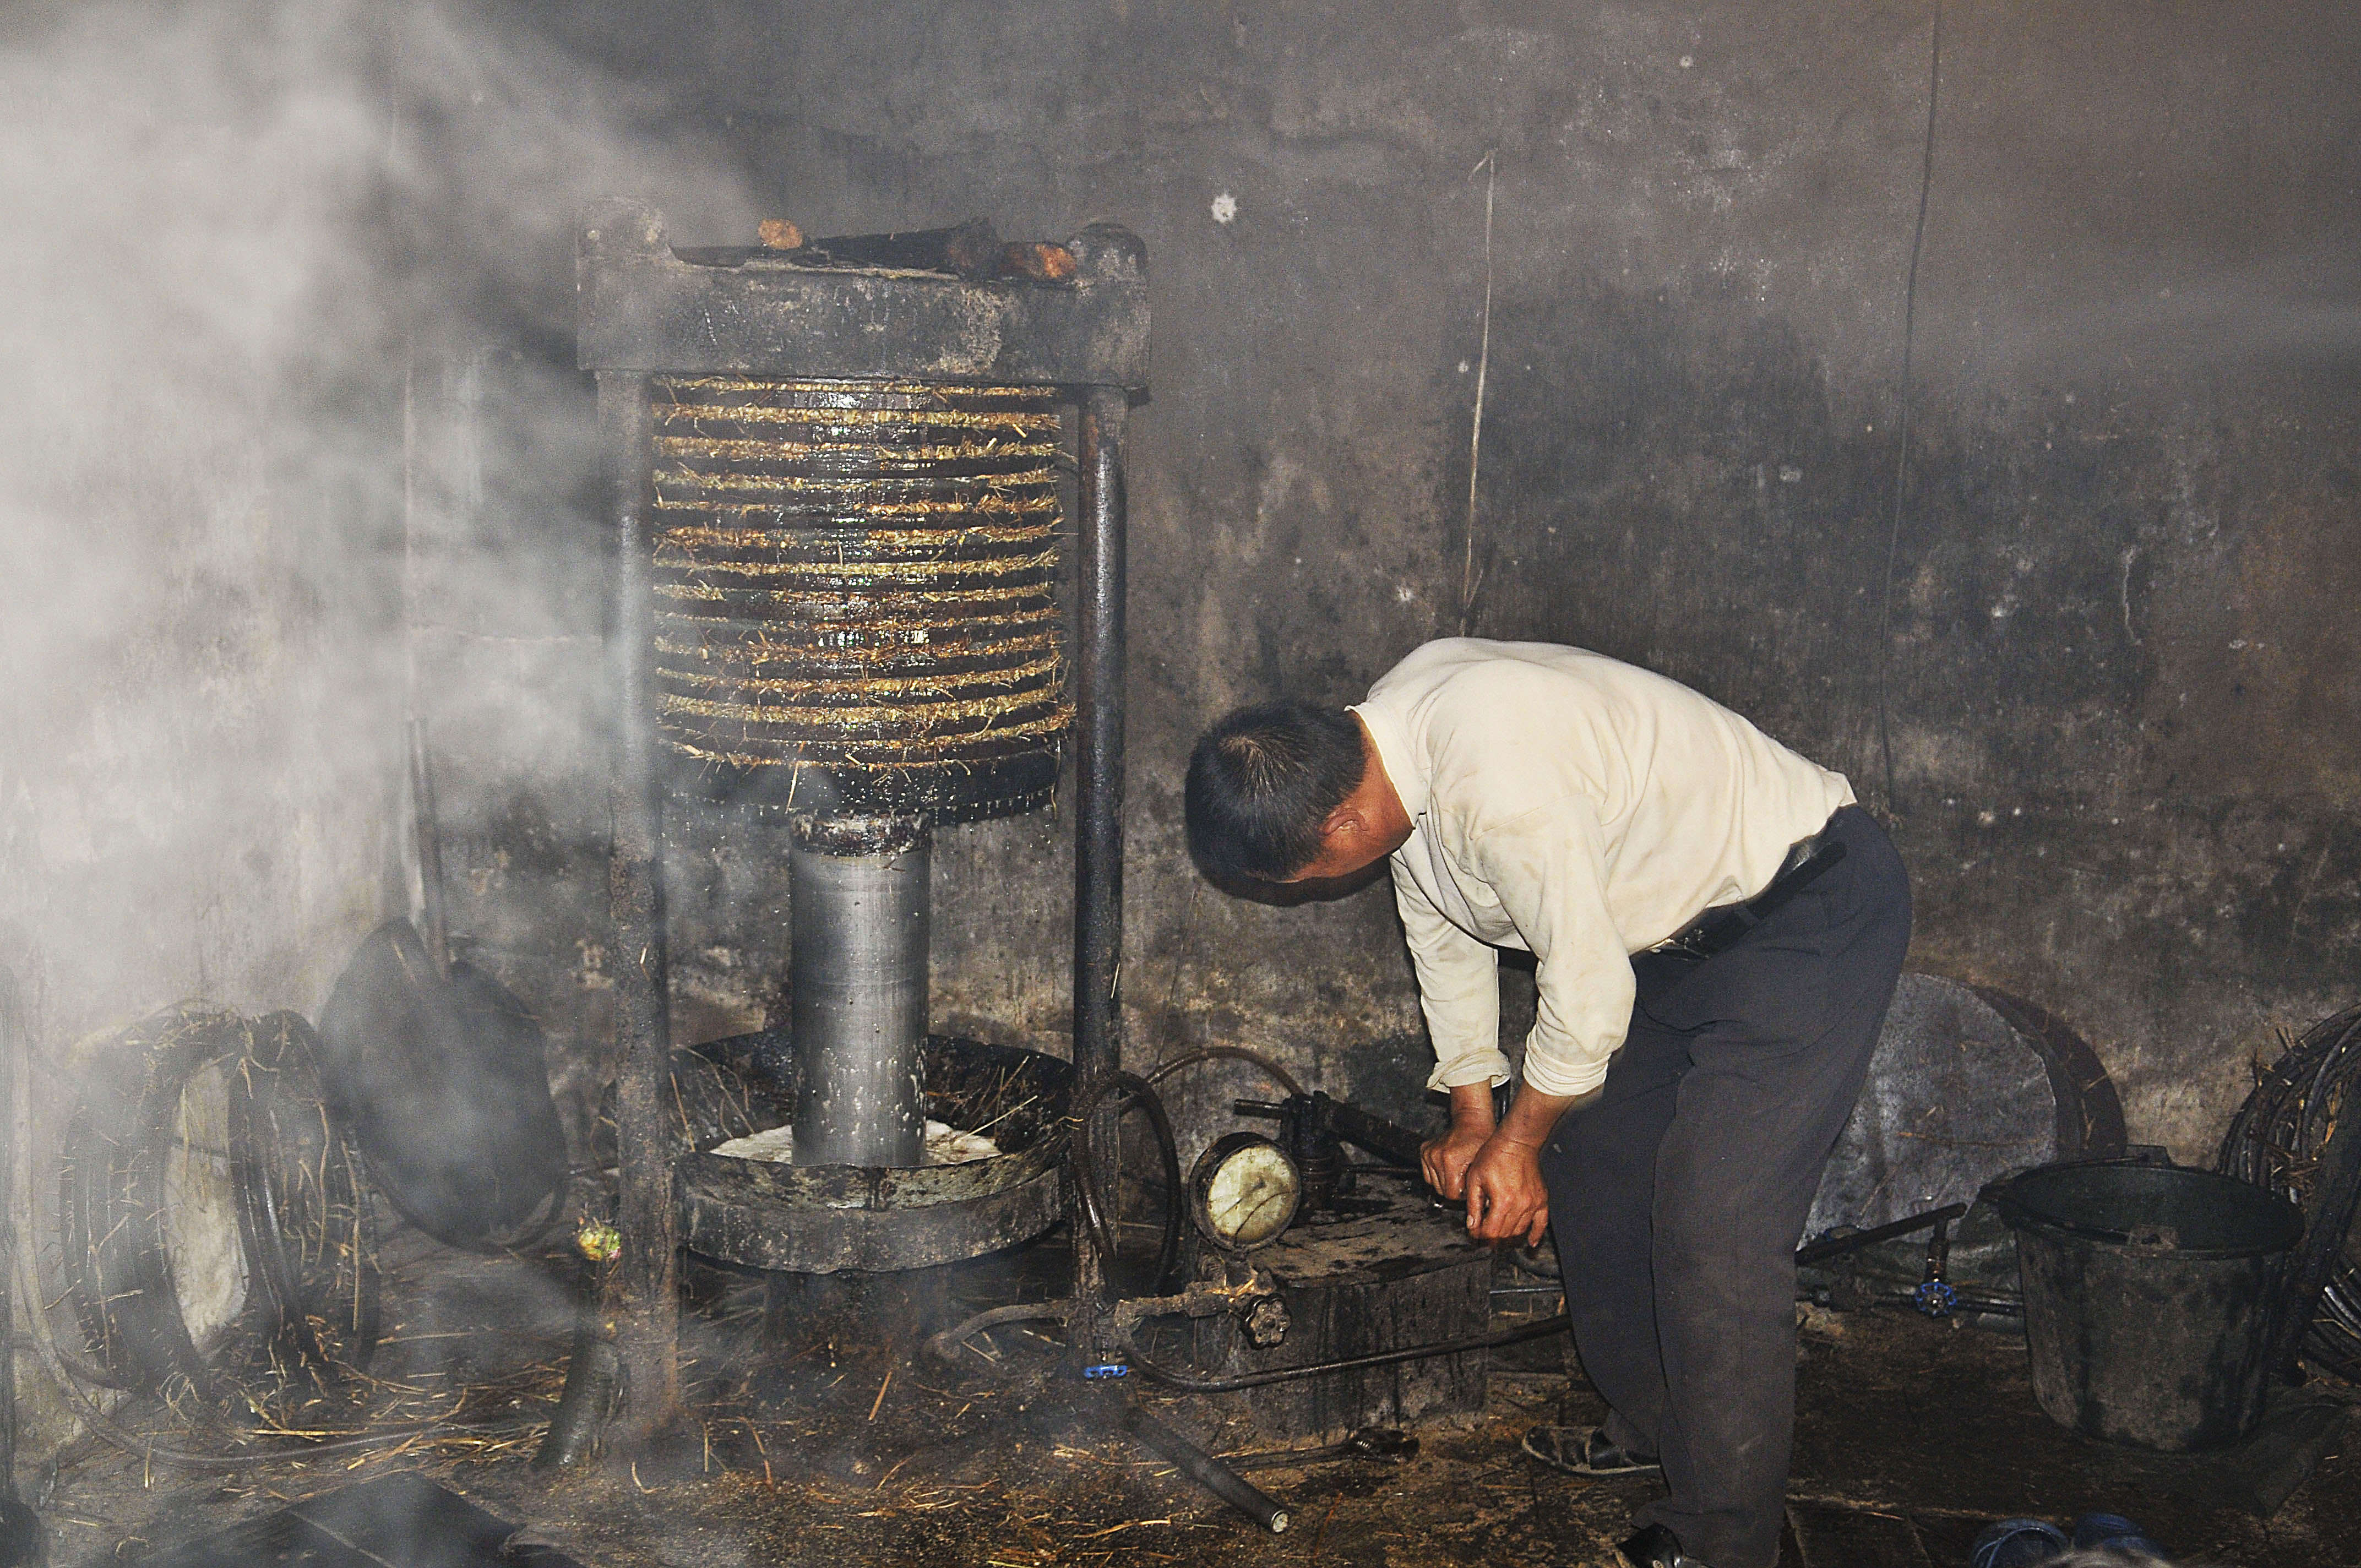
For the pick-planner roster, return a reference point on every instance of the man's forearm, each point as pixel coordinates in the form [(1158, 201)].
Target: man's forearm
[(1471, 1107), (1496, 1169), (1530, 1116)]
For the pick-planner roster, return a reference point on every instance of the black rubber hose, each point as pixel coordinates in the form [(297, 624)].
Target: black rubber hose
[(1541, 1262), (1837, 1246), (946, 1344), (1271, 1069), (1190, 1384), (1096, 1212)]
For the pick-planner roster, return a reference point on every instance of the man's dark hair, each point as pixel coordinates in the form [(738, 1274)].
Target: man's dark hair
[(1263, 781)]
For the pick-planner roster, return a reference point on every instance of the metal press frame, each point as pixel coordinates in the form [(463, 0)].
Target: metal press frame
[(642, 310)]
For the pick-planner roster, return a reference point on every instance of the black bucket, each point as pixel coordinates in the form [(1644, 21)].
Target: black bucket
[(2149, 1296)]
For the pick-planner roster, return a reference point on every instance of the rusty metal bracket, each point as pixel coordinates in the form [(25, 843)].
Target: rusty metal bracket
[(1199, 1301), (644, 306)]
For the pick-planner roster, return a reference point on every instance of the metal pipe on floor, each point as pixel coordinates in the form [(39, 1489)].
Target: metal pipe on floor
[(647, 1304), (1205, 1470), (857, 901)]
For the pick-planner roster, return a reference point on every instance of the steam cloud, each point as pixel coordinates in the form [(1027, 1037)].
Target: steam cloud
[(235, 232), (244, 246)]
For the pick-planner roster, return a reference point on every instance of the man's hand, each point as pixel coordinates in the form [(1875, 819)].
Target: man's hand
[(1497, 1170), (1444, 1161), (1506, 1199)]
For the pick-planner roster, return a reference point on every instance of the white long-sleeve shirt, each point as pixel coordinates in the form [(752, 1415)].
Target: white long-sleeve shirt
[(1580, 809)]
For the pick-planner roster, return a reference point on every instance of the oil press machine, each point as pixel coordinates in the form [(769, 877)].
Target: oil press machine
[(834, 491), (832, 487)]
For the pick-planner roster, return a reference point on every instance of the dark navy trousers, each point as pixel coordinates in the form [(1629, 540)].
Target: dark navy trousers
[(1678, 1196)]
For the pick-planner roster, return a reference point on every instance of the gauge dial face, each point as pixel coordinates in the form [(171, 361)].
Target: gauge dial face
[(1246, 1191)]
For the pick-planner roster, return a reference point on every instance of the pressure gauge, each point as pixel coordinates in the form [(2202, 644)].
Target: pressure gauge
[(1244, 1192)]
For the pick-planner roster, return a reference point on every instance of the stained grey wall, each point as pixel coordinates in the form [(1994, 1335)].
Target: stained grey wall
[(2104, 633)]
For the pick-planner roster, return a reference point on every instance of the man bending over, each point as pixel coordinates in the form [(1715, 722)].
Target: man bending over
[(1719, 929)]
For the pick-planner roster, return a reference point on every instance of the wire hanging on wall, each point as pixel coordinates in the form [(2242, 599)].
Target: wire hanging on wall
[(1489, 169), (1902, 439)]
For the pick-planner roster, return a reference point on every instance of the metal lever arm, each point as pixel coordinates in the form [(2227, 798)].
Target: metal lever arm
[(1837, 1246), (1348, 1122)]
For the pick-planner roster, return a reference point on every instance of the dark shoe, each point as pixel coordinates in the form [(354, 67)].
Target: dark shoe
[(1656, 1547), (1585, 1451), (2016, 1543)]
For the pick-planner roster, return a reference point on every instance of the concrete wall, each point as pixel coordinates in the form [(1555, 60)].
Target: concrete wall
[(2104, 634)]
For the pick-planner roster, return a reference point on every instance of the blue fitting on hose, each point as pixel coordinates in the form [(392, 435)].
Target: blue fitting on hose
[(1934, 1297), (1099, 1369)]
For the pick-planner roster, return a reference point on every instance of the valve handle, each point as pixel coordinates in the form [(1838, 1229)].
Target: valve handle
[(1935, 1297)]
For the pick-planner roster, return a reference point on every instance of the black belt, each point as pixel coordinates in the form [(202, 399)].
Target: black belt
[(1716, 929)]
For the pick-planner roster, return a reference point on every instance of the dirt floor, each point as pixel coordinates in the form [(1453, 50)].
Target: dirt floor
[(843, 1450)]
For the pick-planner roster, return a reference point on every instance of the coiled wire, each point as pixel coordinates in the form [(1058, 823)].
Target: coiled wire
[(1098, 1213), (2275, 1141), (859, 578)]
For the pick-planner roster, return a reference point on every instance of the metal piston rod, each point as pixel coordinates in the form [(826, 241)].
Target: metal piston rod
[(858, 894)]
